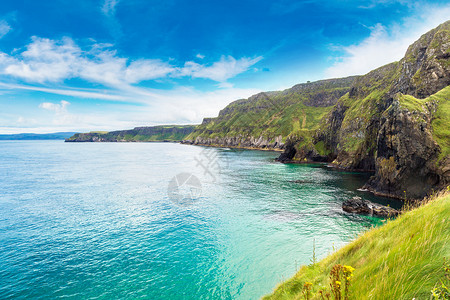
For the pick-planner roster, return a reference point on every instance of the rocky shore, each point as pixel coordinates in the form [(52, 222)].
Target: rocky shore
[(359, 206)]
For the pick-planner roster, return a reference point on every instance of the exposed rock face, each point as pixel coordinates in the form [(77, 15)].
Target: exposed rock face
[(425, 69), (289, 151), (359, 206), (240, 142), (406, 154)]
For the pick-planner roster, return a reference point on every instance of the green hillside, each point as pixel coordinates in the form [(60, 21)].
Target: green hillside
[(272, 116), (167, 133), (403, 259)]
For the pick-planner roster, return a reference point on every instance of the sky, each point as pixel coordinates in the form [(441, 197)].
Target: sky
[(116, 64)]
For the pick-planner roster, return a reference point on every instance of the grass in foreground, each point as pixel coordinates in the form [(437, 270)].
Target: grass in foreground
[(402, 259)]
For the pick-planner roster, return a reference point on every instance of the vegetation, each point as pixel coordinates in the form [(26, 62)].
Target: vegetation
[(442, 289), (400, 260)]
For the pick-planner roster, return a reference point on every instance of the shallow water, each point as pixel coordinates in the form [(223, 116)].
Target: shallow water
[(108, 220)]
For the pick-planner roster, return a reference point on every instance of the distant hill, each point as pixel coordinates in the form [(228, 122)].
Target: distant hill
[(37, 136), (166, 133)]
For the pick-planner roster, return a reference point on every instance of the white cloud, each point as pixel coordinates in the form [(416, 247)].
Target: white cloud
[(80, 93), (227, 67), (61, 116), (386, 43), (4, 28), (109, 7), (201, 56), (52, 61), (57, 108), (44, 60), (146, 69)]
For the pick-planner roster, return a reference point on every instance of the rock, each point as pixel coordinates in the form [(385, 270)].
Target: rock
[(384, 211), (360, 206), (357, 205), (406, 154), (289, 151), (241, 141)]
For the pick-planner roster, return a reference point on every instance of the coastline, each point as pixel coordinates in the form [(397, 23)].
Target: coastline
[(233, 147)]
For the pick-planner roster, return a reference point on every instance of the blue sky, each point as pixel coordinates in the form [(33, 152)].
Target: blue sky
[(116, 64)]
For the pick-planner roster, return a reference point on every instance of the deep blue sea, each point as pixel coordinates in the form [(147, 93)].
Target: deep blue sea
[(163, 220)]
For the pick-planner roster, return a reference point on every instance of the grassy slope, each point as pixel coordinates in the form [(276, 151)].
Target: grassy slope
[(399, 260)]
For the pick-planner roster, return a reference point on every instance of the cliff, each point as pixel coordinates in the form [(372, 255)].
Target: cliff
[(393, 121), (265, 120), (139, 134)]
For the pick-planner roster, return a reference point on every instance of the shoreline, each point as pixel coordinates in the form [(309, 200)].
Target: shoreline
[(234, 147)]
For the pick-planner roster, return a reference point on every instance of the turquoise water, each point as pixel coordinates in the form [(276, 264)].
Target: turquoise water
[(95, 220)]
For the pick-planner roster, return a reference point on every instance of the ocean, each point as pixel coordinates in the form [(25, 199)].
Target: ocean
[(164, 220)]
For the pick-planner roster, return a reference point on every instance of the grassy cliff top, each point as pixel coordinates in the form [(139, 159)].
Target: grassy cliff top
[(402, 259)]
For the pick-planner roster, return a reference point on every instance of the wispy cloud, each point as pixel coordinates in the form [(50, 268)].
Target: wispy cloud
[(79, 93), (385, 43), (51, 61), (61, 115), (56, 107), (109, 7), (4, 28), (373, 3), (227, 67)]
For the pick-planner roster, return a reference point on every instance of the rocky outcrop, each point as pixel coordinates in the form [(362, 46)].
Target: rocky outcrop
[(425, 68), (289, 151), (360, 206), (240, 142), (406, 154)]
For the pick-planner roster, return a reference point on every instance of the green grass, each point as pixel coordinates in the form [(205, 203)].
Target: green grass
[(400, 260), (99, 132), (321, 149)]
